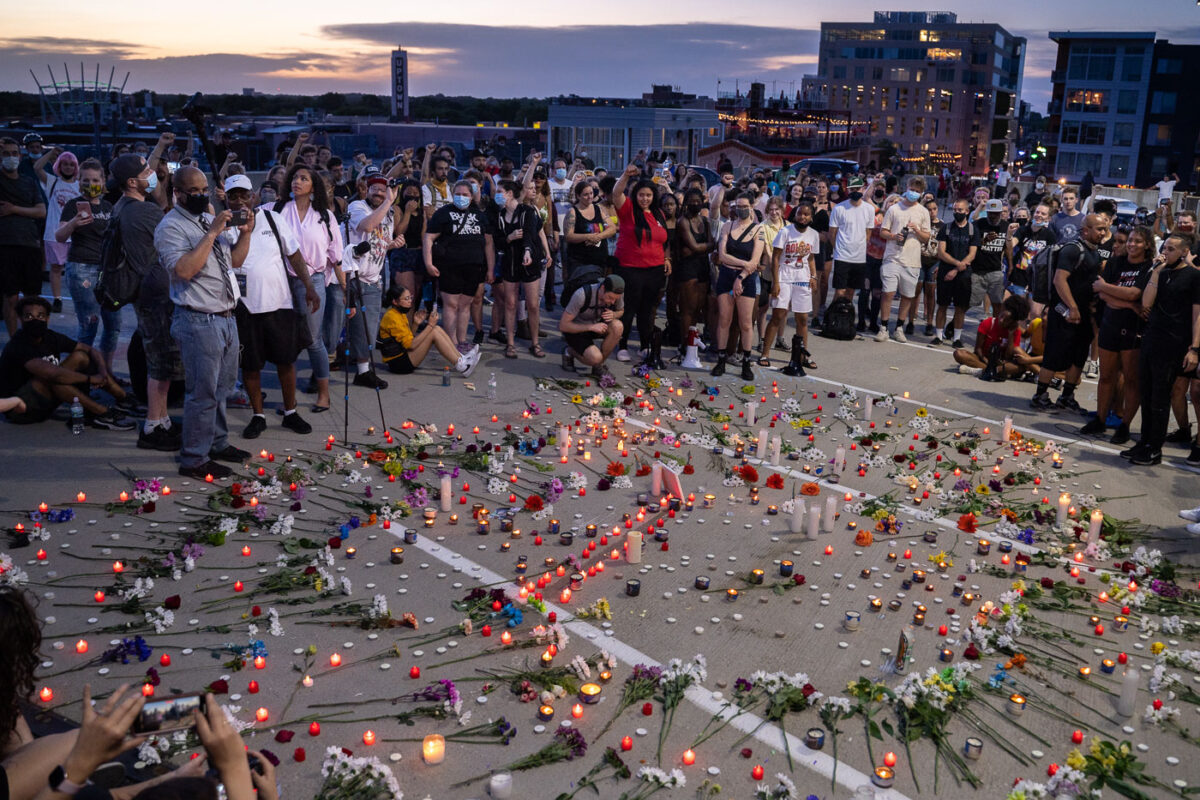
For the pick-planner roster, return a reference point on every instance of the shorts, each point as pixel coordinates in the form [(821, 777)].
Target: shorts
[(464, 279), (794, 296), (955, 292), (1018, 278), (273, 336), (764, 294), (405, 259), (38, 407), (989, 284), (163, 359), (518, 273), (580, 341), (928, 273), (1067, 345), (400, 365), (897, 277), (20, 270), (56, 252), (691, 269), (725, 280), (874, 276), (849, 274), (1116, 338)]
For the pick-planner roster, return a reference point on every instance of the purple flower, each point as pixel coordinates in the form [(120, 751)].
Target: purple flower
[(368, 491), (260, 512), (169, 561), (962, 485), (299, 494), (408, 475), (574, 741), (192, 550), (995, 486), (741, 685), (607, 380)]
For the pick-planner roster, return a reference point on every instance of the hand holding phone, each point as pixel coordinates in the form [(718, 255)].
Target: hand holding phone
[(169, 714), (83, 212), (239, 217)]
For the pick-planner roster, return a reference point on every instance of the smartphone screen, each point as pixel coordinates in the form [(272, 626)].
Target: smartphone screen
[(83, 209), (168, 714)]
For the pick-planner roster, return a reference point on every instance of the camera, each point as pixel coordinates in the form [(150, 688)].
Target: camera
[(169, 714), (239, 218)]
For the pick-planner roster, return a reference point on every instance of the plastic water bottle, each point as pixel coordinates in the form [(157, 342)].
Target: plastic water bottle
[(76, 416), (491, 392), (445, 376)]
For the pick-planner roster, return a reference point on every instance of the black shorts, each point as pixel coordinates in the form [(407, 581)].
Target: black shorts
[(163, 359), (1115, 337), (406, 259), (400, 365), (20, 270), (726, 277), (274, 336), (692, 268), (1067, 345), (38, 407), (463, 279), (955, 292), (849, 274), (874, 273), (519, 273), (580, 341)]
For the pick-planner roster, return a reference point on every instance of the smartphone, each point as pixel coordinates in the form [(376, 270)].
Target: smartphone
[(83, 209), (240, 217), (172, 166), (169, 713), (1062, 310)]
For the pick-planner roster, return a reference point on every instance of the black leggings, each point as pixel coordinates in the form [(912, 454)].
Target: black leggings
[(1161, 363), (643, 291)]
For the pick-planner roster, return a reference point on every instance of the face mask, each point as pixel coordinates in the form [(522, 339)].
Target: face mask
[(834, 188), (1039, 186), (267, 198), (195, 204), (1022, 221), (856, 196), (36, 327), (403, 308), (500, 198), (92, 190), (561, 174), (10, 163), (912, 196), (959, 216), (879, 197), (1037, 225), (461, 201), (693, 208), (742, 213), (152, 182)]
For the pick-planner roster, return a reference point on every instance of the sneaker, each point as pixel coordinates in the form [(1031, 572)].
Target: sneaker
[(1120, 435), (238, 399), (783, 345), (1190, 514), (370, 380), (296, 424), (111, 420), (129, 406), (900, 335), (937, 338), (255, 429), (201, 471), (1180, 435), (881, 335), (931, 331), (478, 338), (1137, 449), (234, 455), (1113, 419), (735, 358), (623, 355), (469, 360), (1146, 458), (1193, 459), (910, 328), (1095, 425), (1091, 368), (1068, 404), (948, 331), (1194, 528), (56, 306), (957, 344), (600, 370), (873, 328), (963, 369), (1056, 383), (1041, 402), (568, 363), (164, 440), (499, 336)]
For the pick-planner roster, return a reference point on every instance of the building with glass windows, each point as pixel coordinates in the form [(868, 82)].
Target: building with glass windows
[(945, 93)]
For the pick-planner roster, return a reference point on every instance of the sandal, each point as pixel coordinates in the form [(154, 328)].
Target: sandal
[(319, 409), (537, 351), (763, 361), (510, 351)]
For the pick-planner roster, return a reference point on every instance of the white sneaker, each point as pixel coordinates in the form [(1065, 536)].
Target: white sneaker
[(963, 369), (1194, 528), (1191, 514), (899, 335), (622, 355), (466, 364), (882, 336), (1091, 369)]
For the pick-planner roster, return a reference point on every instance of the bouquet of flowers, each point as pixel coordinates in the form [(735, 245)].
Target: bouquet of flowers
[(638, 688), (676, 679), (350, 778)]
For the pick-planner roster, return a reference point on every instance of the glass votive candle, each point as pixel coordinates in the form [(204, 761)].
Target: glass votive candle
[(397, 555), (430, 522), (1016, 704), (1108, 666), (852, 620), (983, 547), (1005, 547), (814, 739), (429, 513), (918, 576), (946, 655), (483, 526), (702, 583), (756, 577), (545, 713), (786, 568), (351, 552), (590, 531), (522, 565), (930, 537), (555, 527), (883, 777), (566, 538), (633, 587), (731, 595), (506, 525), (710, 500), (876, 604), (410, 535), (589, 693), (973, 747), (453, 519), (576, 581), (772, 510)]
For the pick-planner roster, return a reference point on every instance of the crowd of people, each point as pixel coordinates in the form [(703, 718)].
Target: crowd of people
[(338, 259)]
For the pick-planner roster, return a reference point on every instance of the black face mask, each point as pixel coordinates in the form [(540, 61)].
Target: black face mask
[(879, 196), (35, 327), (959, 216), (404, 309), (856, 196), (195, 204)]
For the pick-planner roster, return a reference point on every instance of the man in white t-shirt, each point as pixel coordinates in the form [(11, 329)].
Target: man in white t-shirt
[(1003, 176), (61, 186), (906, 228), (850, 226), (372, 221), (793, 271), (1165, 187), (269, 328)]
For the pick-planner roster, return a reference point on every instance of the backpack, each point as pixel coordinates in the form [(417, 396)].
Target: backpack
[(579, 276), (118, 283), (1041, 278), (839, 320)]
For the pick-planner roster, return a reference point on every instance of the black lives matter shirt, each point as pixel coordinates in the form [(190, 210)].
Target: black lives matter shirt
[(990, 256), (463, 233), (1120, 272)]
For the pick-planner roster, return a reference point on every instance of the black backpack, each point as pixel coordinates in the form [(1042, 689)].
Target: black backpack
[(118, 283), (579, 276), (839, 320), (1041, 279)]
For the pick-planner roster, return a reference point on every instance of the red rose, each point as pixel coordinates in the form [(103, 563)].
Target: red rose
[(798, 579), (219, 687), (172, 603), (310, 570), (235, 489), (642, 471), (688, 469), (335, 542), (299, 754), (808, 691), (775, 481), (283, 737), (971, 653), (746, 752), (1047, 583), (256, 611), (237, 502)]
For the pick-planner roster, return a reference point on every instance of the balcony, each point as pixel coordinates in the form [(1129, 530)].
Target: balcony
[(1054, 107)]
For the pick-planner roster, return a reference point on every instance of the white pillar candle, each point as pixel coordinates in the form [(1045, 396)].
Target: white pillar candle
[(1064, 503), (814, 521), (830, 512), (447, 493), (500, 786), (868, 407), (761, 451), (839, 460), (633, 547), (776, 449), (1127, 700), (751, 412), (1097, 519), (1006, 431), (564, 440), (656, 480), (796, 523)]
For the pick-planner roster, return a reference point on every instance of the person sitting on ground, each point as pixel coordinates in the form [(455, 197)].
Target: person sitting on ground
[(33, 369), (593, 311), (403, 351), (997, 344)]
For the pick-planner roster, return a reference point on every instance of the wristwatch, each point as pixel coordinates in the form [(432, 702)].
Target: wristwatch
[(60, 784)]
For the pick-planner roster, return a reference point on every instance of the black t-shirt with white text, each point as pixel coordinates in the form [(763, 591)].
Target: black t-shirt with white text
[(991, 246), (464, 233), (959, 239), (1120, 272), (1027, 243), (22, 349), (86, 240)]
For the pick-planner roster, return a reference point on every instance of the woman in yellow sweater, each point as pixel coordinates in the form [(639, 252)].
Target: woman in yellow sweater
[(403, 351)]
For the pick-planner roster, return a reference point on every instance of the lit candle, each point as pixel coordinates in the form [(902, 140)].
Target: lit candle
[(433, 748), (81, 646), (260, 662), (46, 694), (1016, 704), (81, 497), (589, 693), (1108, 666), (1064, 503), (689, 757), (335, 660), (261, 714), (731, 595), (307, 681), (884, 777), (626, 743), (397, 555), (577, 711), (1094, 523), (545, 713)]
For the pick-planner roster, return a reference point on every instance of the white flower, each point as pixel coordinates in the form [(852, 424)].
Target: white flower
[(161, 618), (148, 752), (10, 573), (276, 628), (347, 589), (283, 525), (227, 525)]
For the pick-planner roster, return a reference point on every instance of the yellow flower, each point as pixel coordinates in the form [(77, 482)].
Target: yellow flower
[(1094, 748), (1124, 749), (1110, 762), (1075, 759), (1157, 648), (578, 398), (982, 489), (922, 412), (1018, 586)]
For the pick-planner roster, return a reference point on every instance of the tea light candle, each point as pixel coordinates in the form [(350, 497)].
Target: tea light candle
[(973, 747), (756, 576), (590, 693), (1108, 666), (709, 500), (884, 777), (984, 547), (731, 595), (1016, 704), (946, 655), (702, 583), (814, 739), (433, 747), (785, 568), (351, 552)]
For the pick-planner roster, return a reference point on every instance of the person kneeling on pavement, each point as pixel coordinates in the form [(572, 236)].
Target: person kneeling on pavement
[(403, 351), (269, 328), (593, 312), (33, 370), (997, 355)]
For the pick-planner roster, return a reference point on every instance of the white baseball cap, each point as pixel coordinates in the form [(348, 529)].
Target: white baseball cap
[(238, 182)]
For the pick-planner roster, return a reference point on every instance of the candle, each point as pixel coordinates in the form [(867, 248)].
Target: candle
[(351, 552), (500, 786), (814, 739), (796, 521), (261, 714), (772, 510), (776, 449), (368, 737), (830, 512), (757, 772), (973, 747), (1064, 503), (1006, 435), (884, 777), (397, 556), (46, 694), (761, 451), (852, 620), (633, 587), (868, 408), (876, 604), (307, 681), (751, 412), (484, 526), (1108, 666), (335, 660), (1121, 623), (506, 638), (756, 577), (814, 522), (785, 568), (633, 547), (709, 500), (1129, 687), (260, 662), (689, 757), (656, 479), (433, 748), (984, 547), (702, 583), (545, 713), (1016, 704), (1094, 523), (731, 595), (577, 711), (589, 693), (626, 743), (946, 655), (839, 460)]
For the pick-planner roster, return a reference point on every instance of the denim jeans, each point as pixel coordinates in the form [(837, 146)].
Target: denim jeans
[(365, 325), (81, 283), (335, 316), (209, 345), (318, 356)]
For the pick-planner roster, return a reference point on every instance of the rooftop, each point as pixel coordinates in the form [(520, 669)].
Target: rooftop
[(1085, 35)]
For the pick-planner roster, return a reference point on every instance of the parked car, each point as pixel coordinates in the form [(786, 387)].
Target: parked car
[(827, 167)]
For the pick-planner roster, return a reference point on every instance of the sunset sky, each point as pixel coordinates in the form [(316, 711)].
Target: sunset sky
[(471, 48)]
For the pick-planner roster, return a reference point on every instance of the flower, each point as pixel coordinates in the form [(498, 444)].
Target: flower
[(967, 523), (775, 481), (810, 489), (533, 503), (922, 412)]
